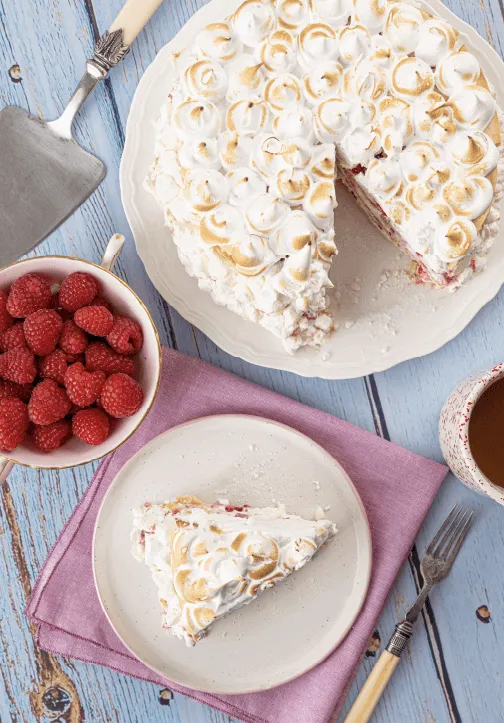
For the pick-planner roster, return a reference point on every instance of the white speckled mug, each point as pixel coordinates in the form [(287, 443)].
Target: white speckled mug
[(454, 432)]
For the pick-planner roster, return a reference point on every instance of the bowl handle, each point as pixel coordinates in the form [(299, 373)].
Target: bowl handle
[(5, 468), (114, 248)]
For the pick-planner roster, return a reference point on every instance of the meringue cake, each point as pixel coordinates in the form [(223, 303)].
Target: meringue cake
[(270, 104), (208, 560)]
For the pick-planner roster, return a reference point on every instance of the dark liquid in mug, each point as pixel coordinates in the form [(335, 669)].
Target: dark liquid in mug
[(486, 432)]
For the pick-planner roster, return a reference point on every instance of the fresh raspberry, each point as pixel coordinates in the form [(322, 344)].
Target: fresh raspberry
[(54, 366), (101, 301), (121, 395), (72, 339), (126, 336), (6, 319), (51, 436), (96, 320), (83, 388), (48, 403), (91, 425), (77, 290), (27, 294), (13, 423), (101, 357), (18, 365), (42, 330), (11, 390), (13, 338), (72, 358)]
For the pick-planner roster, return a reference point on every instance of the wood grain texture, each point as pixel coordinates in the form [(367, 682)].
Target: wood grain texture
[(452, 671)]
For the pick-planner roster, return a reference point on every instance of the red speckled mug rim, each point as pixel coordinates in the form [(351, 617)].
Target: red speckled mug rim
[(487, 379)]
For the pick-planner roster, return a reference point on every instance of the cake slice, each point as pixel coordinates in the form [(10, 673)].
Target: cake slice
[(208, 560)]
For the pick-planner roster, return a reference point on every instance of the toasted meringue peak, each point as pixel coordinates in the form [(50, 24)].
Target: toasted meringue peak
[(252, 255), (319, 203), (316, 42), (365, 80), (197, 119), (436, 40), (294, 122), (234, 149), (396, 124), (334, 12), (417, 159), (291, 185), (398, 211), (323, 162), (411, 77), (222, 226), (470, 197), (297, 152), (475, 152), (277, 52), (371, 13), (283, 91), (246, 78), (296, 232), (218, 42), (353, 43), (253, 21), (457, 70), (196, 153), (331, 119), (383, 177), (266, 154), (457, 240), (247, 116), (244, 185), (402, 27), (205, 80), (362, 144), (292, 14), (433, 118), (207, 190), (473, 107), (265, 213), (323, 81)]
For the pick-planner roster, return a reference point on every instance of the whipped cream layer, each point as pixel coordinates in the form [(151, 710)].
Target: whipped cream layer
[(244, 163), (207, 560)]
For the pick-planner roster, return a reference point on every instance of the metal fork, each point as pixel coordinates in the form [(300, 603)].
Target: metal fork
[(435, 566)]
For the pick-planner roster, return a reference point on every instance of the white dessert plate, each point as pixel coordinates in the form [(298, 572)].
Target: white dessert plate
[(288, 629), (384, 319)]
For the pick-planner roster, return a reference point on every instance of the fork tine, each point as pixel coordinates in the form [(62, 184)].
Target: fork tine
[(449, 532), (462, 519), (461, 538), (442, 529)]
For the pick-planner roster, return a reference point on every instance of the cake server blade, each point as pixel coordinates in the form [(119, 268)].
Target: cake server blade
[(45, 177), (45, 174)]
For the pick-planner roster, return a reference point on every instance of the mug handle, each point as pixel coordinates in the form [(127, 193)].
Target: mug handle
[(110, 256)]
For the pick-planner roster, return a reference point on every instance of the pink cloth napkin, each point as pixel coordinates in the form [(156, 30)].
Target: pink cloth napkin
[(397, 487)]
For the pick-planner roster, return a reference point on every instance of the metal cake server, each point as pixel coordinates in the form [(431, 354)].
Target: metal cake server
[(45, 174), (434, 566)]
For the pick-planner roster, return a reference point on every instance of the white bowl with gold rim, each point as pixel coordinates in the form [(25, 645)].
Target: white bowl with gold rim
[(124, 301)]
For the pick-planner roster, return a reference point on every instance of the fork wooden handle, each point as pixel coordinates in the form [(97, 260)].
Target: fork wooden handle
[(373, 688)]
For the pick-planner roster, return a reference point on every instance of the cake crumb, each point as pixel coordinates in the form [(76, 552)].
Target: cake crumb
[(319, 513), (327, 507), (317, 484), (253, 448), (349, 324), (326, 356)]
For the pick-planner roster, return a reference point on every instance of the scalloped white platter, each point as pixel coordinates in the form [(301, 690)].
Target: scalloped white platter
[(383, 318), (245, 459)]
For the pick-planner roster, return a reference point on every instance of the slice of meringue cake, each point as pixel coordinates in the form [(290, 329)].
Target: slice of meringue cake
[(210, 559)]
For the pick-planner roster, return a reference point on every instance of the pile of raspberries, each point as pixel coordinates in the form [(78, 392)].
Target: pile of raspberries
[(66, 366)]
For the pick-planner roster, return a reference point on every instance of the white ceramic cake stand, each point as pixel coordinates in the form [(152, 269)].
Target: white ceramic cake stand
[(384, 319)]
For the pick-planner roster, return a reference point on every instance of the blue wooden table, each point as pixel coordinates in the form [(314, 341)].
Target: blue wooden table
[(454, 667)]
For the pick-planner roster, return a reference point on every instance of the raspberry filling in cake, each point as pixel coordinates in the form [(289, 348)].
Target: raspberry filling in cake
[(208, 560), (269, 105)]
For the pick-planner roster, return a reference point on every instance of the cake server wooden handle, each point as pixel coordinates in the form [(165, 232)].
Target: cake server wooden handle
[(134, 15), (373, 688)]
